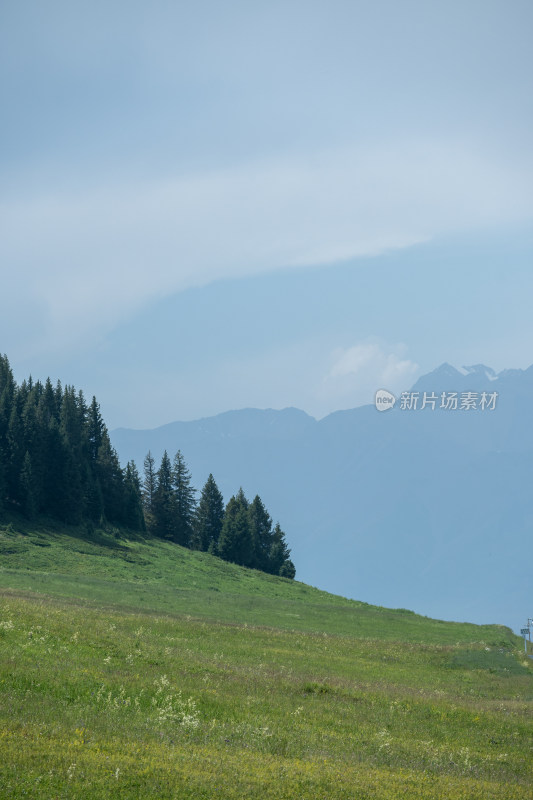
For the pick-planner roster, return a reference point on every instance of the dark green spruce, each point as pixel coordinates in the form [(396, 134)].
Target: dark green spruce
[(57, 463), (209, 518), (56, 458)]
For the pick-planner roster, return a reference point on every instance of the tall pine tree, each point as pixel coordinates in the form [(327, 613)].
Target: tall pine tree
[(261, 532), (184, 500), (133, 510), (149, 488), (209, 517), (7, 394), (111, 481), (163, 508), (235, 543), (29, 504), (280, 562)]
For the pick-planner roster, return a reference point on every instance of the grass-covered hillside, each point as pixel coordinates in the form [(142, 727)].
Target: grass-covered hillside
[(135, 669)]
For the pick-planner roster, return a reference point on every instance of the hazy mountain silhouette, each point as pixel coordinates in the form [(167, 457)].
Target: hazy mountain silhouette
[(425, 509)]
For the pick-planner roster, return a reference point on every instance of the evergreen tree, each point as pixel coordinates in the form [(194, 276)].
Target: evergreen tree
[(209, 517), (133, 512), (29, 505), (70, 430), (235, 542), (72, 495), (94, 501), (163, 507), (242, 499), (184, 500), (261, 531), (58, 394), (111, 480), (95, 430), (287, 570), (53, 471), (280, 562), (34, 442), (48, 462), (47, 407), (23, 391), (7, 389), (70, 422), (3, 487), (6, 375), (149, 488), (15, 453)]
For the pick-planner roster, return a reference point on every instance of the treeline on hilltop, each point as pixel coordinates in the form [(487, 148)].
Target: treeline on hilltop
[(57, 461), (241, 532), (56, 458)]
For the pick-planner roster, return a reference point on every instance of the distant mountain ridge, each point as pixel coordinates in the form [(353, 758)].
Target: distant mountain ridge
[(474, 378), (405, 508)]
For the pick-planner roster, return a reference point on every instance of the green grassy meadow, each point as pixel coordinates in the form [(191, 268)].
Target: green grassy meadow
[(133, 669)]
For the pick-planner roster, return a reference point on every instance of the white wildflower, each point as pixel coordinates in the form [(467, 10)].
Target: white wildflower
[(384, 738)]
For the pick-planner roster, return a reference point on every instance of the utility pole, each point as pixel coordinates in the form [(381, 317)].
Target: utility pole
[(526, 632)]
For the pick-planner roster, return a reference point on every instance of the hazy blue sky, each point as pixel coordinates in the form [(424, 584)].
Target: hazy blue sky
[(211, 205)]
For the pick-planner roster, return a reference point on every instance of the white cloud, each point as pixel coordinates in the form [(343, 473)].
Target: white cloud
[(357, 372), (87, 259)]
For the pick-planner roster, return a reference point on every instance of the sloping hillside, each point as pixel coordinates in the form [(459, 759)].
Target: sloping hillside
[(134, 669), (427, 509), (161, 576)]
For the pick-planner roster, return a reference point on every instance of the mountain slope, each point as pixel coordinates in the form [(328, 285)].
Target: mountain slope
[(429, 510), (158, 576), (134, 669)]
